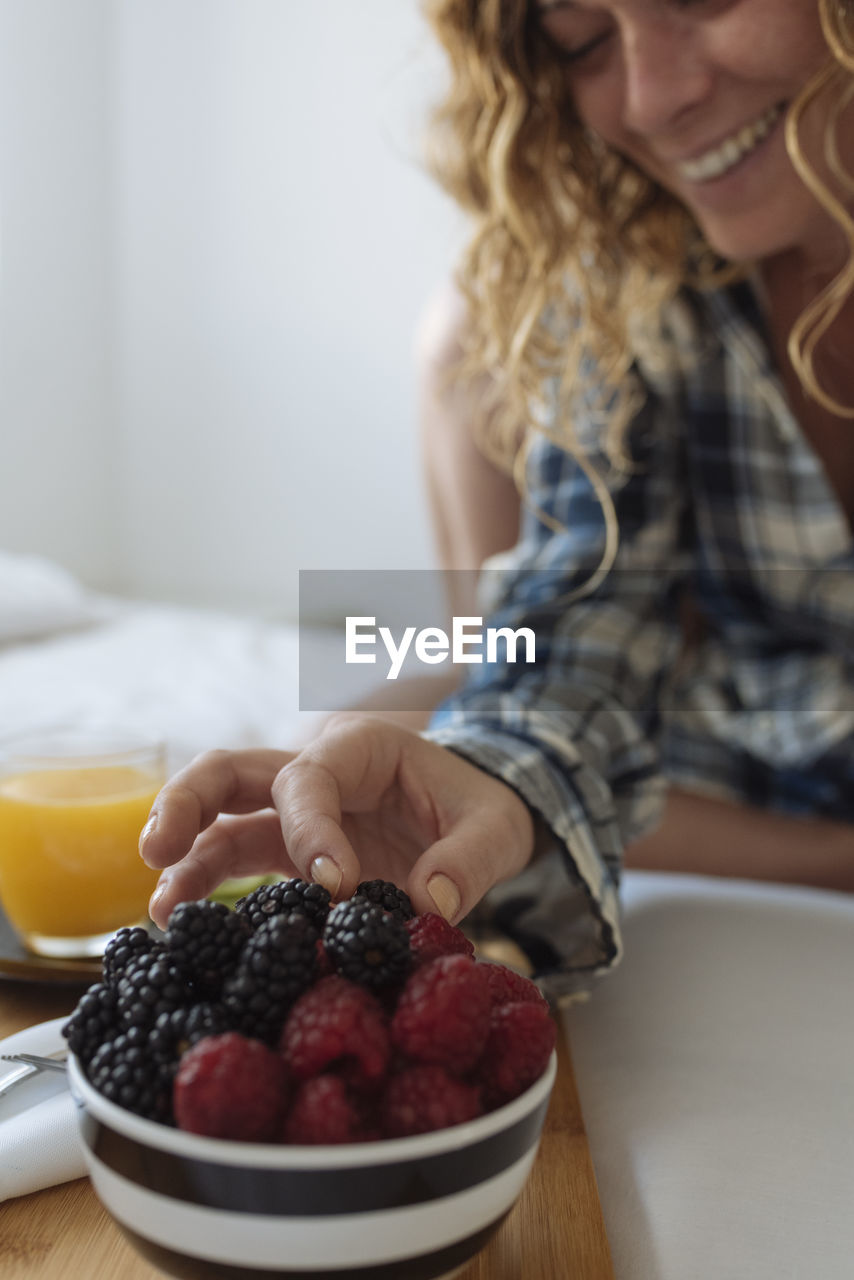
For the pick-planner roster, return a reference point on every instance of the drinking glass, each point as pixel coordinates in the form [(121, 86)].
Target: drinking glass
[(72, 805)]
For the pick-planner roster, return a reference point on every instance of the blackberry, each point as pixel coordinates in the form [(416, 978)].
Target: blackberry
[(176, 1032), (125, 1073), (367, 944), (94, 1020), (382, 893), (128, 944), (278, 963), (205, 939), (150, 985), (283, 898)]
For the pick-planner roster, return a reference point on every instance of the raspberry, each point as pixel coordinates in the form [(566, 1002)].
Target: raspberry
[(324, 1111), (366, 944), (520, 1041), (442, 1016), (205, 939), (283, 898), (126, 945), (382, 893), (509, 987), (94, 1020), (423, 1098), (229, 1086), (337, 1025), (276, 965), (430, 936)]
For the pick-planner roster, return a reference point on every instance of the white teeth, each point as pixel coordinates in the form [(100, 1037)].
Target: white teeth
[(714, 163)]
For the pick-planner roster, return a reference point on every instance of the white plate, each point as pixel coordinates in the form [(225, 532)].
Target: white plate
[(44, 1038)]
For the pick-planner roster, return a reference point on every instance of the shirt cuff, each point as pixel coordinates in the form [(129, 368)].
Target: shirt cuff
[(563, 909)]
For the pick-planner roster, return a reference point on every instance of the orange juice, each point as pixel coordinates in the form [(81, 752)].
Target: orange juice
[(69, 862)]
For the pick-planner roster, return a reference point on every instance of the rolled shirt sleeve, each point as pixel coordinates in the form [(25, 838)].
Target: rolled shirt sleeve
[(574, 734)]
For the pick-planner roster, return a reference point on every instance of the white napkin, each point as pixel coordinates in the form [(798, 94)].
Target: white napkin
[(40, 1147), (39, 1140)]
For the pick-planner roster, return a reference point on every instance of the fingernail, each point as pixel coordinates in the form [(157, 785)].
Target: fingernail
[(147, 831), (445, 894), (326, 872)]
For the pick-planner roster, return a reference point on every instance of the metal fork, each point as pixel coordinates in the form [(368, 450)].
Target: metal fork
[(29, 1064), (56, 1061)]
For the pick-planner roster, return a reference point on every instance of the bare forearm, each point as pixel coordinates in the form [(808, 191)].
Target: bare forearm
[(411, 702), (713, 837)]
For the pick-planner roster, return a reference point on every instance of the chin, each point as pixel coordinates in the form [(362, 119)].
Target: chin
[(743, 245), (786, 224)]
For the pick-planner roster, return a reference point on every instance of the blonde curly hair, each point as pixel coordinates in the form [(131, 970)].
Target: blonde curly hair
[(575, 252)]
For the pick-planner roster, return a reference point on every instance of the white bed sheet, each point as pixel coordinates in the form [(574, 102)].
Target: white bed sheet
[(716, 1074), (194, 678)]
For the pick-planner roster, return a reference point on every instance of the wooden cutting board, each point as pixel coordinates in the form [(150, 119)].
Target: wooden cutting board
[(555, 1231)]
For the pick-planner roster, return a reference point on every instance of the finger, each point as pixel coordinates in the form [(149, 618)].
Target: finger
[(308, 800), (215, 782), (348, 768), (232, 846), (456, 871)]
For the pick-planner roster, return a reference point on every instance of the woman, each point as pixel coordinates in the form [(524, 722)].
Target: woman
[(659, 283)]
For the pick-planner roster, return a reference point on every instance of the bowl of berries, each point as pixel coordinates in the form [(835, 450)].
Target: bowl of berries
[(294, 1089)]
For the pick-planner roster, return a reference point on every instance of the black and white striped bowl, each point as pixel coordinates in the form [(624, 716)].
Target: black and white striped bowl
[(415, 1208)]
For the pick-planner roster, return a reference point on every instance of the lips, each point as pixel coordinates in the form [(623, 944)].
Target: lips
[(718, 160)]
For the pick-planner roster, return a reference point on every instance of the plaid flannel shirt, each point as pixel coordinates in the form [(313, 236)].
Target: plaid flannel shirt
[(728, 506)]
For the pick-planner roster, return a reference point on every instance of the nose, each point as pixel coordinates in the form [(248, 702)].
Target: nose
[(666, 72)]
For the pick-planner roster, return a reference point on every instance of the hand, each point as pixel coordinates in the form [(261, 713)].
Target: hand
[(366, 799)]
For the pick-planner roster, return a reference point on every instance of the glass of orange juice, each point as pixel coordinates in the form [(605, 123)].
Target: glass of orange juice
[(72, 806)]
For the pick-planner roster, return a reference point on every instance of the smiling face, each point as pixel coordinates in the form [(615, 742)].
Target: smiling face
[(694, 92)]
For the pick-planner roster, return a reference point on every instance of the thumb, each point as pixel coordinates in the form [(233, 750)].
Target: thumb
[(456, 871)]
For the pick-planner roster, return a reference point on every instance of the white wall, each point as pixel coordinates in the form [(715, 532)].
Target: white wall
[(260, 244), (56, 387)]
